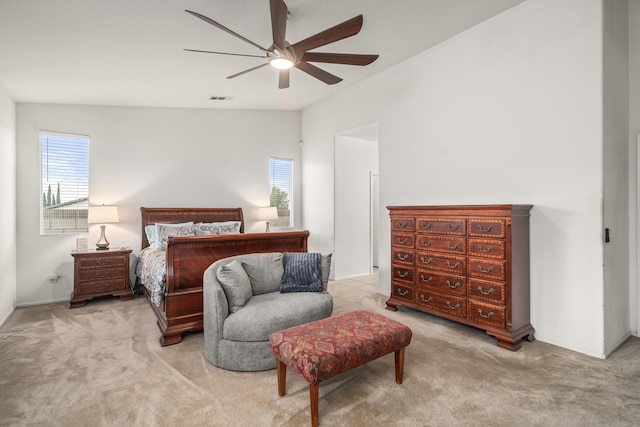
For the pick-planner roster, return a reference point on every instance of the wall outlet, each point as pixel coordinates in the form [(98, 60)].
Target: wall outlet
[(53, 277)]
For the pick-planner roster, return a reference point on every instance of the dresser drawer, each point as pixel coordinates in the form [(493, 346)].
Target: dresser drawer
[(403, 224), (452, 245), (400, 292), (102, 261), (402, 256), (404, 240), (92, 274), (486, 269), (402, 273), (98, 286), (487, 314), (487, 227), (444, 303), (487, 291), (456, 226), (439, 262), (486, 248), (448, 284)]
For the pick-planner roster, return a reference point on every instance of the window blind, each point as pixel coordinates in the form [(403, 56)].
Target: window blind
[(64, 183), (281, 190)]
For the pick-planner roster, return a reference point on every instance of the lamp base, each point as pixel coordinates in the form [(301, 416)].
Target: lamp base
[(102, 244), (267, 230)]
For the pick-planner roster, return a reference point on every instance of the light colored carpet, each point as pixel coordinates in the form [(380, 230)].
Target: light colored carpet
[(102, 365)]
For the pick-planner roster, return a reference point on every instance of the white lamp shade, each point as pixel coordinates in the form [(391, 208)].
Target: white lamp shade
[(267, 213), (102, 214)]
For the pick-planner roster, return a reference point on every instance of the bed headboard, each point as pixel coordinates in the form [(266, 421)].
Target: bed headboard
[(176, 215)]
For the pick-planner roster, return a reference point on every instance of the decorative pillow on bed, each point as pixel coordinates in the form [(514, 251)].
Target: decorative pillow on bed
[(235, 284), (302, 272), (211, 228), (150, 231), (163, 231)]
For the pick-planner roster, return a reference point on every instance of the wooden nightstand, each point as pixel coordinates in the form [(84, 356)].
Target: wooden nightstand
[(98, 273)]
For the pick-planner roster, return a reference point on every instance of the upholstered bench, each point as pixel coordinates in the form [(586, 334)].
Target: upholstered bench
[(322, 349)]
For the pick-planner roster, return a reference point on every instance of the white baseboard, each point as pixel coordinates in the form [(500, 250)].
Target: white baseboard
[(7, 316)]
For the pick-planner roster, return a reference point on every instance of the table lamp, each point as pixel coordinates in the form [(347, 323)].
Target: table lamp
[(267, 214), (102, 215)]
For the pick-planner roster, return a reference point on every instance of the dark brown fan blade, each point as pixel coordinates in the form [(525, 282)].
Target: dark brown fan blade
[(278, 23), (223, 28), (225, 53), (341, 31), (246, 71), (283, 79), (339, 58), (318, 73)]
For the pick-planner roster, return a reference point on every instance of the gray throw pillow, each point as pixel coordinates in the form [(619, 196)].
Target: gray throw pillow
[(325, 265), (264, 271), (302, 272), (235, 284)]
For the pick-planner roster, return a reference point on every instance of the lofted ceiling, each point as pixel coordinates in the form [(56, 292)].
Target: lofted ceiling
[(131, 52)]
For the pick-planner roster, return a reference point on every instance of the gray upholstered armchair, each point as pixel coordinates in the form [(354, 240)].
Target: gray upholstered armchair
[(238, 320)]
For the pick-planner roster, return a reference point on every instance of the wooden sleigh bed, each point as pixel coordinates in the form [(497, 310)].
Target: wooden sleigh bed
[(187, 257)]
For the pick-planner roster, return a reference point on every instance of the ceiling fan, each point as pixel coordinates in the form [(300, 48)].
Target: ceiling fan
[(283, 55)]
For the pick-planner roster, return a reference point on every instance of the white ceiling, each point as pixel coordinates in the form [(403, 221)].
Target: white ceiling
[(130, 52)]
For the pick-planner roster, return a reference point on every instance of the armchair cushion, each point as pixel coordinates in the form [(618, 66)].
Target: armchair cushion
[(302, 272), (235, 284), (264, 271)]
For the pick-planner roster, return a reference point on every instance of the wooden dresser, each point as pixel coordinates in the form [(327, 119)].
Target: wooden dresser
[(98, 273), (469, 264)]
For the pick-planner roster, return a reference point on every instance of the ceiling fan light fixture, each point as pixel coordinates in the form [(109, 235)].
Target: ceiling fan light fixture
[(281, 63)]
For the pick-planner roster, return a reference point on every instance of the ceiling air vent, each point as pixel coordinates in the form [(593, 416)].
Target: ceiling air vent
[(221, 98)]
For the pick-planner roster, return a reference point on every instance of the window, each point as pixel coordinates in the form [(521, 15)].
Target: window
[(64, 183), (281, 185)]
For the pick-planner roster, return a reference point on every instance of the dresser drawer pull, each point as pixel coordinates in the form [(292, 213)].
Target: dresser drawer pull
[(422, 260), (488, 270), (425, 300), (103, 261), (485, 230), (483, 292), (403, 241), (455, 307), (456, 265), (102, 274), (425, 280), (454, 286), (454, 246), (486, 251), (403, 274), (483, 316), (425, 226), (453, 228), (402, 294), (403, 257), (402, 224), (102, 287), (427, 244)]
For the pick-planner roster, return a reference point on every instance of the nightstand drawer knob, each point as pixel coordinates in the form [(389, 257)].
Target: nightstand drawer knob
[(103, 261)]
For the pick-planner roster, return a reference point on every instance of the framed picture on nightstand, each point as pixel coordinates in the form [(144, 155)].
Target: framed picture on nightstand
[(82, 244)]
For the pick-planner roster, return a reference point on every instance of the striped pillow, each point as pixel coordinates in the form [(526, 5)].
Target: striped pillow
[(302, 272)]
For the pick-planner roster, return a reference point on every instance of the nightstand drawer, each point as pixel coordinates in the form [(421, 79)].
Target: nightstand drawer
[(102, 261), (98, 286), (92, 274)]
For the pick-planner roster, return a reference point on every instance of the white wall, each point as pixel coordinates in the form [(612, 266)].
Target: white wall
[(356, 159), (616, 172), (155, 157), (509, 111), (8, 246)]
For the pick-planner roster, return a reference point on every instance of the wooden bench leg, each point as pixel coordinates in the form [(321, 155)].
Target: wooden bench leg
[(282, 378), (313, 395), (399, 365)]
